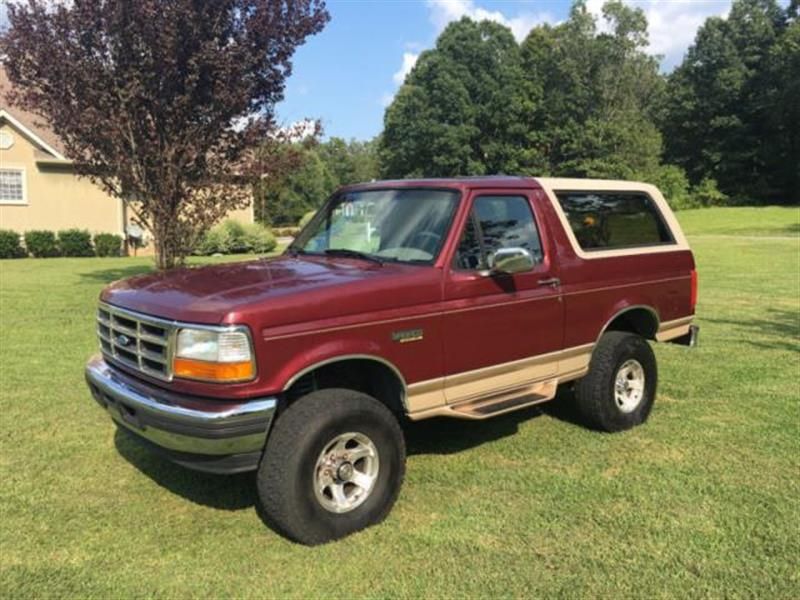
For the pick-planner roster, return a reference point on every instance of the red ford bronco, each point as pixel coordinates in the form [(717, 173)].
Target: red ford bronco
[(464, 298)]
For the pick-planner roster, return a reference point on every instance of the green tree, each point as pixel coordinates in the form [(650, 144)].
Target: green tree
[(783, 120), (282, 202), (349, 161), (461, 109), (596, 118), (321, 169), (143, 94), (569, 101), (730, 111)]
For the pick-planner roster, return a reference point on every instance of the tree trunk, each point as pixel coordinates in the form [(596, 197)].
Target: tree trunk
[(166, 245)]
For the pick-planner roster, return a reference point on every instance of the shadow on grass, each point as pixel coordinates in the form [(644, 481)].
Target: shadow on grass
[(227, 492), (109, 275), (433, 436), (443, 435), (448, 436), (782, 327)]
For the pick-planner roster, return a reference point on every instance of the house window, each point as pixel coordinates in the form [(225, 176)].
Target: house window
[(12, 186)]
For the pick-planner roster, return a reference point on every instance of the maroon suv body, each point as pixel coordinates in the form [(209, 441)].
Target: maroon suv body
[(465, 298)]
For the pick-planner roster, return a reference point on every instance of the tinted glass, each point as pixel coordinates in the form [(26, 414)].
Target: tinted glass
[(603, 220), (401, 225), (497, 222)]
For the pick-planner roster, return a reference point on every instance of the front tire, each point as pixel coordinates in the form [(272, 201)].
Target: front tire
[(333, 464), (620, 388)]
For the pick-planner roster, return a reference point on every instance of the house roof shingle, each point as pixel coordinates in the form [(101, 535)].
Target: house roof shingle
[(27, 119)]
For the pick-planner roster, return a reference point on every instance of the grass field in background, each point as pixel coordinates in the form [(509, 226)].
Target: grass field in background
[(746, 220), (704, 500)]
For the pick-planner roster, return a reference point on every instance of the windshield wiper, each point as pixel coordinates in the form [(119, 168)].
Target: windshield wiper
[(353, 254)]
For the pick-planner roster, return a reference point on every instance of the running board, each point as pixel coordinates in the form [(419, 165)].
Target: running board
[(498, 404)]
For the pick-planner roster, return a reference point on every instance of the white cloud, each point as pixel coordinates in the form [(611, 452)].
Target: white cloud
[(386, 99), (446, 11), (409, 60), (443, 12), (672, 24)]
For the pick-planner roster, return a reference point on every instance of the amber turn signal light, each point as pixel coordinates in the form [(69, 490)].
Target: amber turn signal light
[(212, 371)]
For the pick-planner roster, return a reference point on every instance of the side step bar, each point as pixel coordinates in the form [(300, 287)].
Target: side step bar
[(497, 404)]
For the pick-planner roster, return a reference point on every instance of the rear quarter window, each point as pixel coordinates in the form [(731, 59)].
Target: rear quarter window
[(613, 220)]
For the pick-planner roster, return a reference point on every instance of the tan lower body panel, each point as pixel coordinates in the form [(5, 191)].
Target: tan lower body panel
[(494, 390), (498, 389), (669, 330)]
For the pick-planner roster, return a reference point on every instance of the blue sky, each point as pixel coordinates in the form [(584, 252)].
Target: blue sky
[(346, 75)]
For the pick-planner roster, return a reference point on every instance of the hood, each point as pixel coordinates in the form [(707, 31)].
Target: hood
[(229, 292)]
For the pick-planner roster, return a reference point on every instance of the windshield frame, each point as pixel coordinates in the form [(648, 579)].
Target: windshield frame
[(295, 248)]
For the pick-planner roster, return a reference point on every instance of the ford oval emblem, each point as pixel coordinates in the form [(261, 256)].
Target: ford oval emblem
[(123, 340)]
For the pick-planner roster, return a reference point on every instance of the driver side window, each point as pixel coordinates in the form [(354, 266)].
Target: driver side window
[(497, 222)]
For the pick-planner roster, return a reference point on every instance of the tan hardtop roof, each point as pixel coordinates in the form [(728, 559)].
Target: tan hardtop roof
[(505, 181)]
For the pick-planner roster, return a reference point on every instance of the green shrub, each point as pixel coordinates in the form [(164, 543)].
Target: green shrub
[(232, 237), (75, 242), (706, 193), (10, 246), (306, 218), (108, 244), (215, 241), (259, 239), (237, 239), (285, 231), (674, 185), (41, 244)]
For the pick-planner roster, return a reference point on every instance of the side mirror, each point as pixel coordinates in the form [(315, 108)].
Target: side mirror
[(511, 260)]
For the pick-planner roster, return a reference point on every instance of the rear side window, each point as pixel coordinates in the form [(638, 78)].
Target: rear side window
[(610, 220)]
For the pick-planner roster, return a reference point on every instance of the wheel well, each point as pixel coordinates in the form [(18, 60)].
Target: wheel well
[(359, 374), (640, 320)]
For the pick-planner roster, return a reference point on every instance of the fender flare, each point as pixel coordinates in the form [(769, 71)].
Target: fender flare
[(344, 357)]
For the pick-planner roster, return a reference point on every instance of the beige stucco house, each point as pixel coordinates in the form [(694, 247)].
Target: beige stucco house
[(38, 185)]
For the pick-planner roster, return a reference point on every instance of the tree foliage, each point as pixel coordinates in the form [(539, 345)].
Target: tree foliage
[(568, 101), (585, 99), (160, 101), (461, 109), (734, 103), (322, 167), (596, 117)]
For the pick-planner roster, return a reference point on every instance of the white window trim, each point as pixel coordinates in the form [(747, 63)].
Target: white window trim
[(24, 201), (551, 185)]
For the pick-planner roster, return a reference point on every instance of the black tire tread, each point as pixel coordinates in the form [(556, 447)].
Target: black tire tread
[(593, 392), (290, 431)]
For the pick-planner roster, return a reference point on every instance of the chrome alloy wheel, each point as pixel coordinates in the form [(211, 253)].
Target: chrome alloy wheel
[(629, 386), (346, 472)]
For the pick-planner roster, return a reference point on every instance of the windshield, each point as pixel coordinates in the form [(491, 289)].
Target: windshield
[(403, 225)]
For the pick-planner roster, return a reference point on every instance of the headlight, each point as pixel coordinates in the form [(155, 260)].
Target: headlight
[(211, 355)]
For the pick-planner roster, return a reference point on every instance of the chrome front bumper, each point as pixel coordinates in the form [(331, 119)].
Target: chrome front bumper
[(209, 435)]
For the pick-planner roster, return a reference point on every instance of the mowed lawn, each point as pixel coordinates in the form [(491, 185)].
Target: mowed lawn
[(704, 500)]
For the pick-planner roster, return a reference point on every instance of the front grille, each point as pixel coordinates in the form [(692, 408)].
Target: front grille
[(137, 341)]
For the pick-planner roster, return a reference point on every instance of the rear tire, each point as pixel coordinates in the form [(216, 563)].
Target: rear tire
[(620, 388), (333, 464)]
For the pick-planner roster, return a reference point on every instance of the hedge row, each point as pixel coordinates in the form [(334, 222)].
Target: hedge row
[(232, 237), (69, 242), (285, 231)]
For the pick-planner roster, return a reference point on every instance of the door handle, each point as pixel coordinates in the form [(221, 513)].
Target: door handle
[(551, 281)]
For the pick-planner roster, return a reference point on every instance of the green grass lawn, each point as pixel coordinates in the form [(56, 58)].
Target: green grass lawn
[(746, 221), (704, 500)]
